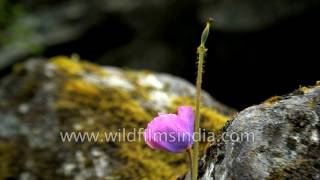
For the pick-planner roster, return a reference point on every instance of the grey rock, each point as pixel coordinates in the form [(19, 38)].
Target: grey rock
[(10, 126), (286, 141)]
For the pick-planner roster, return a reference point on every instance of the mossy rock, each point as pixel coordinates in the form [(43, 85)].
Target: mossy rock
[(42, 98)]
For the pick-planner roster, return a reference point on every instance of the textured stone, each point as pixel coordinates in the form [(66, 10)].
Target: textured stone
[(286, 141)]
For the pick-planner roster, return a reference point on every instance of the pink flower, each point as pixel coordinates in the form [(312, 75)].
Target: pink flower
[(171, 132)]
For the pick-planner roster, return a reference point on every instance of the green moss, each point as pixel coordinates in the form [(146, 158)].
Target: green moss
[(212, 119), (106, 109)]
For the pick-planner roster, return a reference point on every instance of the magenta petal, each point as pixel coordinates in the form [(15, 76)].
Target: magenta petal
[(186, 115), (170, 132)]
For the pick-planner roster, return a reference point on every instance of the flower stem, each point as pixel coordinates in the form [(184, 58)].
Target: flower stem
[(189, 153), (201, 51)]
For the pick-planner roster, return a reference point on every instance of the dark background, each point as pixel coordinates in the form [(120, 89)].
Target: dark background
[(256, 49)]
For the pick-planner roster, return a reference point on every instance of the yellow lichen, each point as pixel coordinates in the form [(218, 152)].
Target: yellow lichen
[(307, 89), (67, 65), (82, 87), (212, 119), (272, 100), (144, 163), (74, 66), (304, 89)]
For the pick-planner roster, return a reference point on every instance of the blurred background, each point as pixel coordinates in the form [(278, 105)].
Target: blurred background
[(257, 49)]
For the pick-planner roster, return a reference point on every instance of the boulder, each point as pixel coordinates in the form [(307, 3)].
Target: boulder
[(42, 100), (284, 142)]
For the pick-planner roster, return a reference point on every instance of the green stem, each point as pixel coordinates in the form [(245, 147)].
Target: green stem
[(201, 51), (189, 153)]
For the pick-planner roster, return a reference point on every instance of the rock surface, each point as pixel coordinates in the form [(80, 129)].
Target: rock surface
[(42, 100), (285, 146)]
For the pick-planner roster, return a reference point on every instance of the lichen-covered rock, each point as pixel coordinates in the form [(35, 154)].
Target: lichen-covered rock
[(286, 141), (41, 99)]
